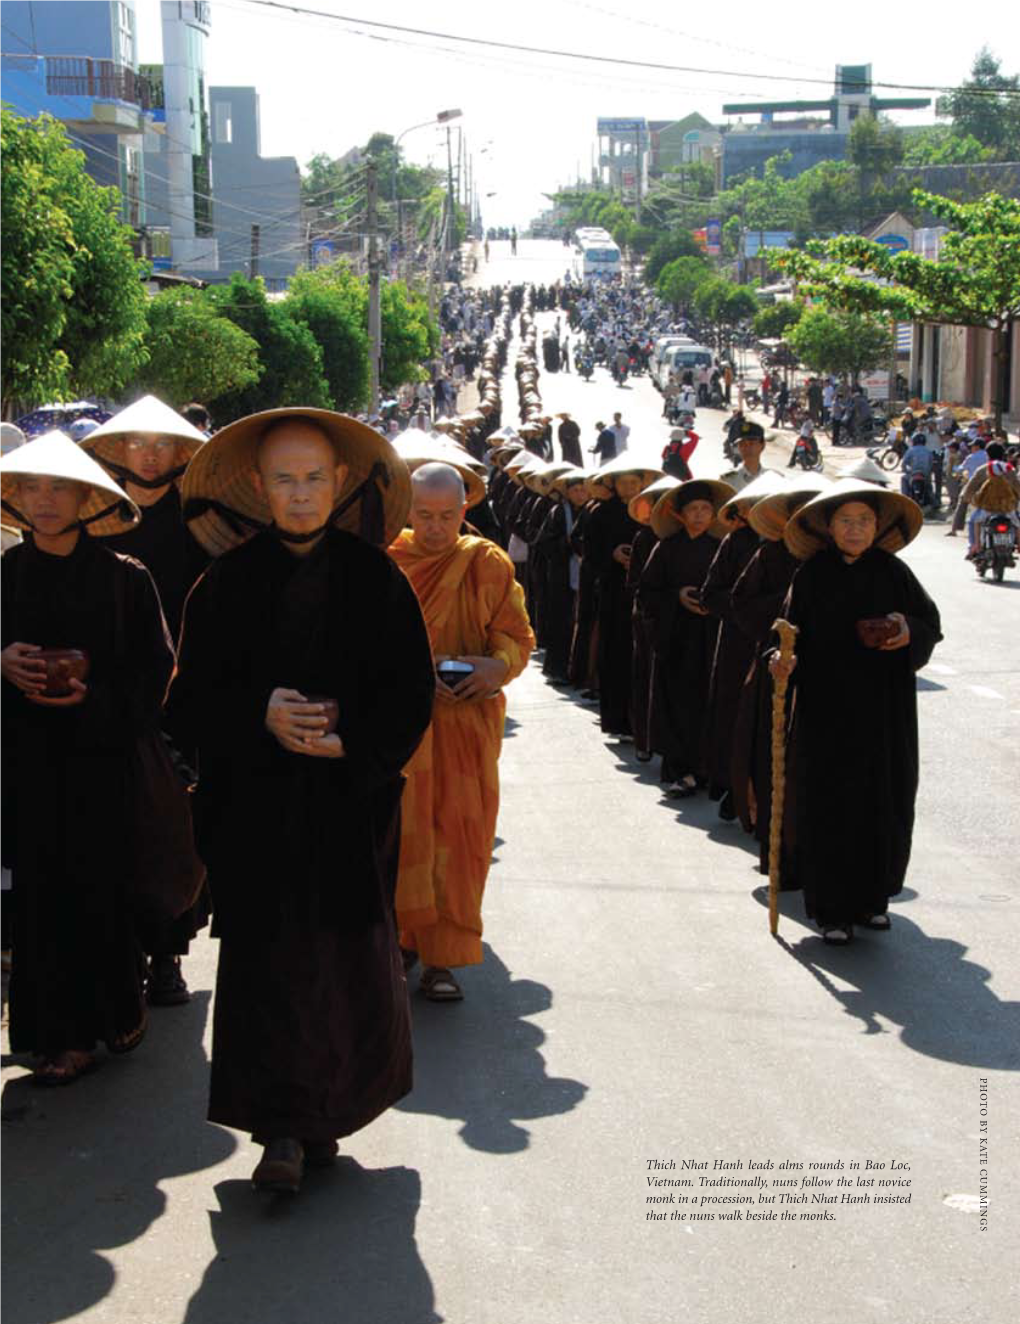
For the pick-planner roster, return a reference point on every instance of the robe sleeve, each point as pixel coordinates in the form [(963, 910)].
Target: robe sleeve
[(203, 709), (657, 598), (129, 698), (379, 736), (718, 585), (501, 602), (922, 617)]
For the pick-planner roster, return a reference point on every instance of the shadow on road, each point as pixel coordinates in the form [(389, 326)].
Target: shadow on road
[(343, 1250), (941, 1001), (478, 1061), (82, 1165)]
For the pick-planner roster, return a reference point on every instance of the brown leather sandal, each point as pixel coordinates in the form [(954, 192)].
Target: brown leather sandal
[(127, 1043), (439, 985), (64, 1068)]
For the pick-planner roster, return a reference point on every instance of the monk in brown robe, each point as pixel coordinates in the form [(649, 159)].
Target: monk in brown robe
[(474, 611), (304, 684)]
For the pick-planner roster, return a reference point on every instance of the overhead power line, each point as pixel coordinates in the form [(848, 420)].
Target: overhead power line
[(559, 53)]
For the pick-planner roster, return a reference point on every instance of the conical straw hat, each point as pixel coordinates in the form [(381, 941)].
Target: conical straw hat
[(768, 483), (146, 417), (664, 519), (436, 449), (601, 482), (899, 518), (640, 507), (223, 509), (573, 475), (543, 480), (768, 517), (108, 510), (865, 470)]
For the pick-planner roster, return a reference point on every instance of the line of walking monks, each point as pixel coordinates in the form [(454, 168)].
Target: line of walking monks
[(657, 596)]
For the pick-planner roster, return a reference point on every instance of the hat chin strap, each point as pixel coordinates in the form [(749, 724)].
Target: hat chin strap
[(82, 524), (125, 475)]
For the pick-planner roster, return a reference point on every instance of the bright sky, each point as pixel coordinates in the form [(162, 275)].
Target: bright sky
[(326, 86)]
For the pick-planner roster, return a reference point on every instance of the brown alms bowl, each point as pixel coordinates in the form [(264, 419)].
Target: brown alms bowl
[(62, 666)]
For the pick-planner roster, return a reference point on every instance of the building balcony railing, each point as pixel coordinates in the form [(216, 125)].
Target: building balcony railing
[(80, 76)]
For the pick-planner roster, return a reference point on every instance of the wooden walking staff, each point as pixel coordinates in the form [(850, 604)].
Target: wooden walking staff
[(787, 638)]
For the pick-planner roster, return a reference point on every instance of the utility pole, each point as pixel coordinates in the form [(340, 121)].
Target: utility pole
[(255, 237), (637, 174), (374, 312), (448, 246)]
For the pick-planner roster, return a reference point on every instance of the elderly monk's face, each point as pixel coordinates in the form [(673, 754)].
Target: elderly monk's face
[(853, 528), (627, 487), (149, 456), (436, 517), (51, 504), (696, 517), (299, 477)]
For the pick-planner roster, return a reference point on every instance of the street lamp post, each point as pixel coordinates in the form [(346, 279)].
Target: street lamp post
[(443, 117)]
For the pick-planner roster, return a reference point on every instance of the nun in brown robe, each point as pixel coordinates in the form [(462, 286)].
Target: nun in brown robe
[(609, 535), (756, 601), (643, 629), (734, 649), (583, 673), (684, 634), (311, 1036), (866, 626)]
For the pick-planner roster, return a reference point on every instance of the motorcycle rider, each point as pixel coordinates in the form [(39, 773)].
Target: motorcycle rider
[(988, 492), (918, 461), (806, 441), (678, 451)]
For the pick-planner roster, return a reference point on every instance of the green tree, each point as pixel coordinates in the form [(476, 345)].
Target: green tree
[(938, 144), (193, 353), (73, 301), (409, 336), (677, 243), (774, 320), (288, 352), (975, 282), (875, 145), (680, 279), (840, 342), (332, 302), (987, 107), (724, 304)]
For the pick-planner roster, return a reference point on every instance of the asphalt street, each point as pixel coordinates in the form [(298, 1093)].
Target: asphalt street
[(632, 1006)]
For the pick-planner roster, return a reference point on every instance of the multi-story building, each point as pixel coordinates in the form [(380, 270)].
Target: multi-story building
[(820, 133), (178, 161), (77, 61), (247, 181)]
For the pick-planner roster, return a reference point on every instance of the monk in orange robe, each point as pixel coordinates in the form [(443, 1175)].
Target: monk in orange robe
[(475, 614)]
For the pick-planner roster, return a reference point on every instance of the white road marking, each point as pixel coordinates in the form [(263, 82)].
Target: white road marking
[(983, 692), (940, 670)]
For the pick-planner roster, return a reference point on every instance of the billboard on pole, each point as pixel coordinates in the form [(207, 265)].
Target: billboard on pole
[(713, 236)]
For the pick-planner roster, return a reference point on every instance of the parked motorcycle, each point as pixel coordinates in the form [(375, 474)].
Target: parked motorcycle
[(997, 548)]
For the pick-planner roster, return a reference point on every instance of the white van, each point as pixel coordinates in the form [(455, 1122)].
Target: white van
[(679, 357)]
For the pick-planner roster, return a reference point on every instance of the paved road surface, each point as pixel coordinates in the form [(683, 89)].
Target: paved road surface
[(631, 1006)]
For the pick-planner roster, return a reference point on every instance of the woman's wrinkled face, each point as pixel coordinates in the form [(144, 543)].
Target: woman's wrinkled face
[(854, 527), (627, 486), (696, 517), (51, 505)]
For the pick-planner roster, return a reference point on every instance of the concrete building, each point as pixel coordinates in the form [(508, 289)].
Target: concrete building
[(623, 156), (676, 143), (245, 179), (178, 162), (820, 133), (77, 61)]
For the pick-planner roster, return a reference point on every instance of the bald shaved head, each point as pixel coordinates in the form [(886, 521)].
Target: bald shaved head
[(438, 478), (438, 503)]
